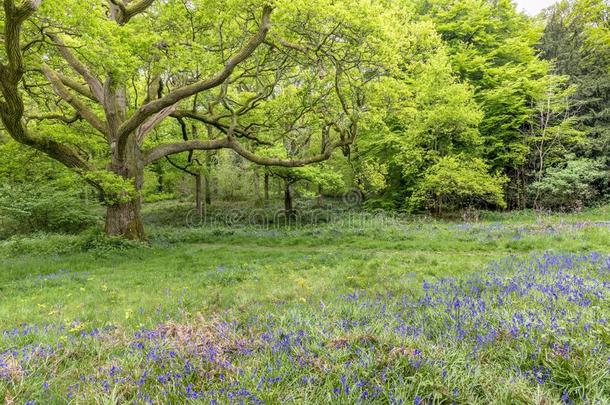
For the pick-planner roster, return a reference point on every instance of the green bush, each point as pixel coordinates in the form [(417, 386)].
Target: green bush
[(456, 182), (92, 240), (27, 208), (41, 244), (570, 186), (97, 241), (156, 197)]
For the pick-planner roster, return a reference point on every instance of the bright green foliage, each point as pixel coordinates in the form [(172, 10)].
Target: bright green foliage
[(479, 88), (569, 186), (117, 189), (26, 165), (286, 96), (456, 181), (492, 47), (320, 175), (373, 176), (428, 116), (29, 207), (38, 194)]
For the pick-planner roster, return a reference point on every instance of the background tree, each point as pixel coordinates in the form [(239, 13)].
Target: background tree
[(459, 181), (492, 47), (422, 121), (551, 132), (577, 41), (569, 185)]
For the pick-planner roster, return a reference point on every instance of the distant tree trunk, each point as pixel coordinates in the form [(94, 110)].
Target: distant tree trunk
[(257, 189), (523, 189), (198, 186), (288, 206), (160, 181), (157, 168), (320, 199), (439, 205), (198, 195), (208, 187), (266, 186)]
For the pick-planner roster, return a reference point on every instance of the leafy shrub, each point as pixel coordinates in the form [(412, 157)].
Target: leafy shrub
[(99, 242), (26, 208), (48, 244), (570, 186), (41, 244), (156, 197), (455, 182), (380, 203)]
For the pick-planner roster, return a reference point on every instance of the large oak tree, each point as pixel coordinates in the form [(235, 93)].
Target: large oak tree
[(282, 83)]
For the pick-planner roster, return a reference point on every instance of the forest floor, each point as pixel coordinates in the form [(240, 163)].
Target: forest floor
[(510, 310)]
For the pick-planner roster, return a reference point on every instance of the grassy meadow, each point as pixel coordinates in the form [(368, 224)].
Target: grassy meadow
[(514, 308)]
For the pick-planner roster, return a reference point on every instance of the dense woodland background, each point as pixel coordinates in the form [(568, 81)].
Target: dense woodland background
[(462, 104)]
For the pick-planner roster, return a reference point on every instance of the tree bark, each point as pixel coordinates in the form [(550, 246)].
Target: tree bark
[(124, 218)]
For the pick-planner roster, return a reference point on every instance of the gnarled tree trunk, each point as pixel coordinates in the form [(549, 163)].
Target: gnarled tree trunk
[(124, 218)]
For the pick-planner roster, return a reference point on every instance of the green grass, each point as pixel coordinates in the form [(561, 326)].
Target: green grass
[(259, 267), (243, 272)]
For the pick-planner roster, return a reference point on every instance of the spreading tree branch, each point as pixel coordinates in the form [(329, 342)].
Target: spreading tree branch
[(94, 83), (12, 108), (76, 86), (82, 109), (122, 12), (173, 97), (58, 117), (224, 128), (230, 142), (161, 151)]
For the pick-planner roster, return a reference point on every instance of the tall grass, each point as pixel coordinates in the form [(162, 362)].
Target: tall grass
[(417, 311), (530, 331)]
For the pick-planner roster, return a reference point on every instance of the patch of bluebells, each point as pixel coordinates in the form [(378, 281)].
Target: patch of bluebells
[(63, 273), (58, 277), (549, 314), (498, 230)]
